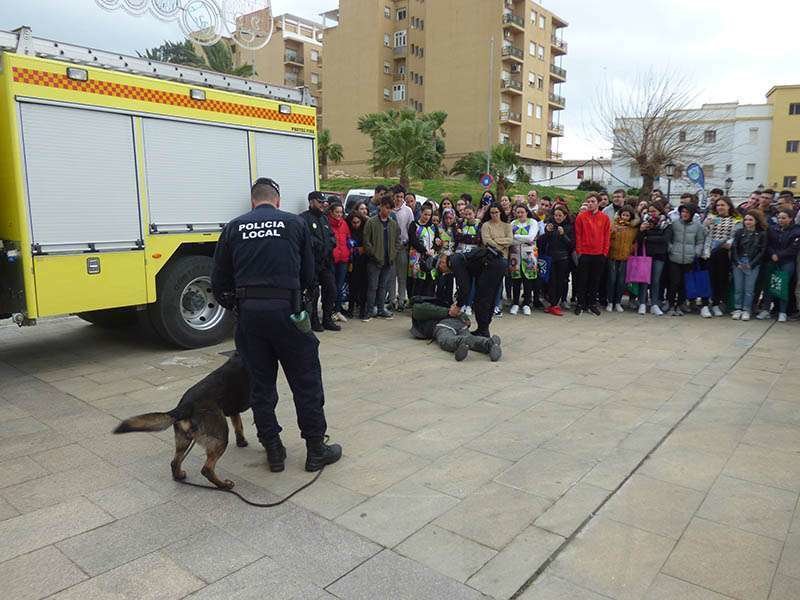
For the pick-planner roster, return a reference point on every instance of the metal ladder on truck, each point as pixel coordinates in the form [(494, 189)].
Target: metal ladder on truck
[(21, 41)]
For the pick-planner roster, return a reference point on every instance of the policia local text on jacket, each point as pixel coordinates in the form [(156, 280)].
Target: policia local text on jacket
[(262, 262), (323, 241)]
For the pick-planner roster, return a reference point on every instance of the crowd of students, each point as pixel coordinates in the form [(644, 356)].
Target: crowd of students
[(724, 259)]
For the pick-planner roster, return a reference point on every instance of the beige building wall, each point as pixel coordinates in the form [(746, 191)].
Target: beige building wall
[(445, 65), (784, 162)]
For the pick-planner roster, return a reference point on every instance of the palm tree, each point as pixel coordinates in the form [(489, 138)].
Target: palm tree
[(220, 59), (217, 58), (327, 151), (504, 166), (406, 142)]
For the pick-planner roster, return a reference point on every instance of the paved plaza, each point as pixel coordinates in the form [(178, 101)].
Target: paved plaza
[(616, 457)]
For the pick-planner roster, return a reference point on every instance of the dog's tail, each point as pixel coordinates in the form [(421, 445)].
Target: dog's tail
[(148, 422)]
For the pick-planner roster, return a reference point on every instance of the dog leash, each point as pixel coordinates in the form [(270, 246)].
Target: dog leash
[(238, 495)]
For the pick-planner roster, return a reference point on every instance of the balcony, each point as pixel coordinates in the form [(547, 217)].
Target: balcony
[(294, 82), (511, 85), (558, 100), (513, 53), (400, 51), (555, 129), (399, 77), (558, 72), (553, 155), (508, 116), (559, 46), (292, 58), (513, 21)]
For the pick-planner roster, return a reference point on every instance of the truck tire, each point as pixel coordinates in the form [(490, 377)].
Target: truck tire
[(111, 318), (186, 313)]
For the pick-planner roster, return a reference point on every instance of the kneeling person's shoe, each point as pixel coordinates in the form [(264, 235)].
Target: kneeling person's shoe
[(276, 455), (331, 326), (462, 351), (320, 454), (495, 351)]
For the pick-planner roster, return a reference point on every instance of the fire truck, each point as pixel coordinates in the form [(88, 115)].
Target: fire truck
[(117, 174)]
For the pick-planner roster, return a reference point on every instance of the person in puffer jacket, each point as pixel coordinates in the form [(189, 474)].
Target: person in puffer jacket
[(558, 242), (685, 246), (341, 255), (783, 246)]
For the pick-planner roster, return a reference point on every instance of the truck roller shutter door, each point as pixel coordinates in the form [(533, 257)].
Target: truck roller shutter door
[(81, 178), (197, 175), (291, 162)]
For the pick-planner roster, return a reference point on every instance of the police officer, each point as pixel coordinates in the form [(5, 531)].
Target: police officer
[(262, 262), (483, 265), (322, 242)]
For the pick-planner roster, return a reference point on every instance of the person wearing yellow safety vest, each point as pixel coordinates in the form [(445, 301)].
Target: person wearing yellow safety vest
[(447, 233), (523, 259), (423, 242)]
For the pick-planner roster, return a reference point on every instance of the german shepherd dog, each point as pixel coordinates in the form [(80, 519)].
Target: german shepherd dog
[(200, 416)]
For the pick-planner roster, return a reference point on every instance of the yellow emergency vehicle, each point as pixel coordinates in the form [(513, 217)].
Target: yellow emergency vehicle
[(117, 174)]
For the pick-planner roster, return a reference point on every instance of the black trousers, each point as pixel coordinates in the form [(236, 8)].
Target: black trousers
[(557, 285), (603, 295), (327, 282), (266, 336), (677, 286), (487, 283), (588, 278), (719, 268), (444, 287), (526, 287)]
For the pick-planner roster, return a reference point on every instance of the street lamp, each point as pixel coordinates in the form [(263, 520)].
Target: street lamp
[(670, 170), (728, 186)]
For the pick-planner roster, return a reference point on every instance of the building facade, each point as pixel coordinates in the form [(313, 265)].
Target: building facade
[(784, 164), (733, 147), (293, 56), (495, 67)]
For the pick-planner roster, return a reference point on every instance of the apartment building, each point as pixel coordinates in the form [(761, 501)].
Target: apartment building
[(293, 56), (495, 67), (784, 164)]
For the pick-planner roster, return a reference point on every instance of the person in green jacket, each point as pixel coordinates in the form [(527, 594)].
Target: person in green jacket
[(381, 245)]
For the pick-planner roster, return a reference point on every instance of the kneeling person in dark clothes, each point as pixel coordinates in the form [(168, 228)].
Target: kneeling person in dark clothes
[(486, 268), (431, 320)]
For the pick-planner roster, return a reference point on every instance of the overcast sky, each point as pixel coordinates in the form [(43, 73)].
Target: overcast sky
[(729, 49)]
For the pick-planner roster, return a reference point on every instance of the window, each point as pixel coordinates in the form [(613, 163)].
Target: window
[(401, 14), (422, 80), (542, 22), (540, 82), (793, 145), (750, 172), (401, 70), (387, 68), (387, 40), (794, 108), (387, 12), (387, 94), (315, 78), (532, 49), (541, 52), (531, 78), (537, 140), (681, 136), (708, 171), (753, 135), (538, 111), (710, 136), (790, 181), (529, 139), (422, 26), (413, 22), (530, 109), (398, 92), (315, 56), (534, 17), (400, 38), (634, 172)]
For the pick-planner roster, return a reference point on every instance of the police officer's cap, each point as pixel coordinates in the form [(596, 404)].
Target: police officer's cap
[(316, 196), (270, 182)]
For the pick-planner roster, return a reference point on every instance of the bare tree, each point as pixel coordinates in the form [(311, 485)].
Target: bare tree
[(650, 124)]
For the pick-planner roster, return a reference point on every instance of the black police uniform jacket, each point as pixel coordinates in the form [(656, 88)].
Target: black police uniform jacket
[(266, 247), (323, 240)]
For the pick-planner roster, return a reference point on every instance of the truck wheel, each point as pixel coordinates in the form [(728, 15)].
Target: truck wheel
[(112, 318), (186, 314)]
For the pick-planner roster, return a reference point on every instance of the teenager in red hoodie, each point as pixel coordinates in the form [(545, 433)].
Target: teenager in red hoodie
[(341, 254), (592, 236)]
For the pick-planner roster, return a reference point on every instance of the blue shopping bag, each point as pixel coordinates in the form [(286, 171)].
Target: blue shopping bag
[(697, 283), (545, 262)]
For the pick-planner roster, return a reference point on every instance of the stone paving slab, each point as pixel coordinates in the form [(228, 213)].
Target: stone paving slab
[(458, 481)]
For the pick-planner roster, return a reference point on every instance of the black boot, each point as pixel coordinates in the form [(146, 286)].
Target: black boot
[(481, 333), (329, 324), (276, 454), (320, 454)]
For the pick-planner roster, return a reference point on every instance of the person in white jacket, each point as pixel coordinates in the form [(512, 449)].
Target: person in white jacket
[(523, 263)]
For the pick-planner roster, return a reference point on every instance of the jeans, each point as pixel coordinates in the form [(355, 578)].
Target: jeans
[(744, 282), (783, 305), (377, 281), (397, 283), (615, 284), (588, 278), (340, 274), (654, 287)]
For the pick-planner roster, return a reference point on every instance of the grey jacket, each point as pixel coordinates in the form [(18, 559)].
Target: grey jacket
[(686, 242)]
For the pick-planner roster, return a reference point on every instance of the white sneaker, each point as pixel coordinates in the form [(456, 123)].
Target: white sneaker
[(717, 311), (643, 308), (655, 310), (609, 307), (526, 310), (745, 315), (737, 314), (705, 313), (618, 308), (764, 314), (514, 310), (498, 312), (781, 317), (468, 311), (340, 317)]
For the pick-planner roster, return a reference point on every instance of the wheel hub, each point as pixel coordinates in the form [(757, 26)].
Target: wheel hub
[(199, 309)]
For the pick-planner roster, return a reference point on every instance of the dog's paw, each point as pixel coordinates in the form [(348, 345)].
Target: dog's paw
[(179, 475), (241, 442), (227, 484)]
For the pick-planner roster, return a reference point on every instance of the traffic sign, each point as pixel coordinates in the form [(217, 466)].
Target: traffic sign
[(487, 180)]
